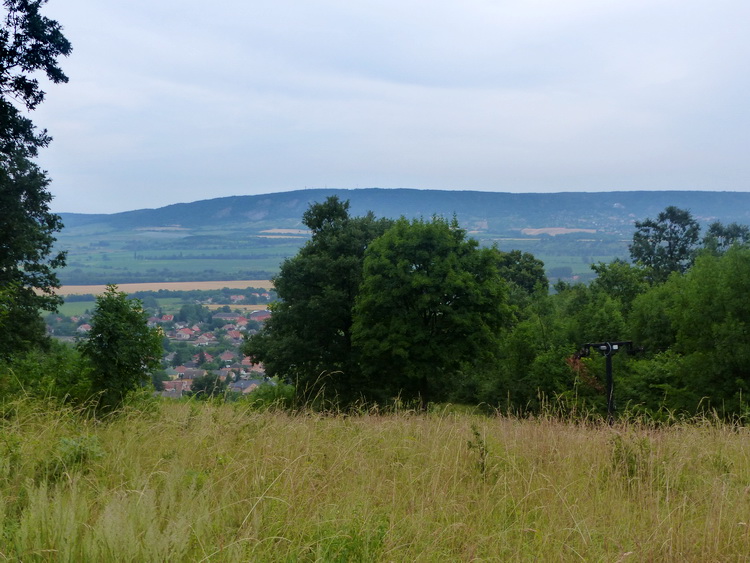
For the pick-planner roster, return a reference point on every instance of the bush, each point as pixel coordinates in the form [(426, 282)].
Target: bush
[(272, 394), (59, 373), (121, 348)]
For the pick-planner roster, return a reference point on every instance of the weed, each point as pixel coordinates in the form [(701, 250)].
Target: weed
[(73, 454), (479, 445), (630, 456)]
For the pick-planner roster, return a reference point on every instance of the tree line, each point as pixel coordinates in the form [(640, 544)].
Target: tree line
[(377, 311), (380, 311)]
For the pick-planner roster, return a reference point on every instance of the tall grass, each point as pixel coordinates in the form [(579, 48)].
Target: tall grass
[(207, 482)]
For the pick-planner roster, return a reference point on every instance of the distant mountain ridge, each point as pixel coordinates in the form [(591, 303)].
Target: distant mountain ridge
[(491, 212), (248, 237)]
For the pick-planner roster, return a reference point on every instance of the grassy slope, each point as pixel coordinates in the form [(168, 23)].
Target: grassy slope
[(217, 483)]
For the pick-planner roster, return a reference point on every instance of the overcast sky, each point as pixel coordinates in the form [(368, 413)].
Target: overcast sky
[(180, 100)]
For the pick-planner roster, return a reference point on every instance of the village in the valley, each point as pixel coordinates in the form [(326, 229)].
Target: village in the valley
[(202, 338)]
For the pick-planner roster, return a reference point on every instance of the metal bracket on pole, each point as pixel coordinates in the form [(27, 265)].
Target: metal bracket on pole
[(607, 349)]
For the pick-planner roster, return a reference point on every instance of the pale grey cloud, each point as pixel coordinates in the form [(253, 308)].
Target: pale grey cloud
[(180, 100)]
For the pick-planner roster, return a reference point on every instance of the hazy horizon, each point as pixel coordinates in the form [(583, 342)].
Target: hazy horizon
[(177, 101), (592, 193)]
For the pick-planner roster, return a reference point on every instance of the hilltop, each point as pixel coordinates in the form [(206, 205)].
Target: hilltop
[(487, 211)]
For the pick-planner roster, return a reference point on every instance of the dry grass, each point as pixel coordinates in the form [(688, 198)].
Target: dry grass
[(171, 286), (184, 482)]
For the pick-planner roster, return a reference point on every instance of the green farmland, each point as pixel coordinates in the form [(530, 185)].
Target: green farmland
[(135, 256)]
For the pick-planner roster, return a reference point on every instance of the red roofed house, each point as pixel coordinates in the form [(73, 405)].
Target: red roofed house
[(260, 315), (178, 385), (184, 334), (227, 356)]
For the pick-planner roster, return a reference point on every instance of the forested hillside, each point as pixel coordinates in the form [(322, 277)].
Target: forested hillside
[(247, 237), (492, 212)]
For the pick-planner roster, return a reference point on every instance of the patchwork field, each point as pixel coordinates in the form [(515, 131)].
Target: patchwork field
[(101, 253), (554, 231)]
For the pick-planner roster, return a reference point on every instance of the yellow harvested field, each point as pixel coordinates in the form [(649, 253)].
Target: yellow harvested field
[(236, 306), (170, 286), (555, 231)]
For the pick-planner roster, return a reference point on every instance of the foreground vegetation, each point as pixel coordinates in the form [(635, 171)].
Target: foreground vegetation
[(187, 481)]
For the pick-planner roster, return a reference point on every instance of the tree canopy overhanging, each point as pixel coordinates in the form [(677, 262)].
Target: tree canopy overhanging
[(30, 44)]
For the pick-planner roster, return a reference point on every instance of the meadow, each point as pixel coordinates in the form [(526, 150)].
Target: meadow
[(221, 482), (101, 253), (134, 256)]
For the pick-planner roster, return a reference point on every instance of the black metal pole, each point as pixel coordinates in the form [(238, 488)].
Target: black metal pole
[(610, 391), (607, 349)]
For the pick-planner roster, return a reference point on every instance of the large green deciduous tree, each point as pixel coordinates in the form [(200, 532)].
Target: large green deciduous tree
[(121, 347), (29, 43), (523, 270), (307, 340), (620, 281), (431, 304), (666, 244)]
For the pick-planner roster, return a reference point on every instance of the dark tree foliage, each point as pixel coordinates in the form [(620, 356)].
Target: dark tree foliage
[(431, 305), (620, 280), (711, 318), (27, 257), (208, 386), (523, 270), (719, 238), (121, 348), (308, 338), (29, 43), (667, 244), (58, 372), (192, 313), (651, 326), (695, 330)]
